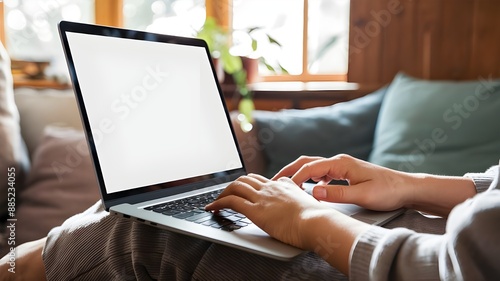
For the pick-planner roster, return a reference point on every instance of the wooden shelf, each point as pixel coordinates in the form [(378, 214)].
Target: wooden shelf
[(298, 95), (40, 83)]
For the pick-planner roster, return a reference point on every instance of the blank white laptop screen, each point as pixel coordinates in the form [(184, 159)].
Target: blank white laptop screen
[(154, 110)]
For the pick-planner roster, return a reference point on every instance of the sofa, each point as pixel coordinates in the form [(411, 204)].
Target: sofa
[(414, 125)]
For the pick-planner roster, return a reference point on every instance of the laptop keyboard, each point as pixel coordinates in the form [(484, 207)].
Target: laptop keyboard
[(193, 209)]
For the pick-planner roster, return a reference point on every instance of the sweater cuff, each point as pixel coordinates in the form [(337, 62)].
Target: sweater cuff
[(374, 251), (361, 253), (482, 181)]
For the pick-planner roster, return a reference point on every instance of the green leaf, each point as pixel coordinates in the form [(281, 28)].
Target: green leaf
[(324, 48), (240, 79), (244, 92), (272, 40), (276, 69), (214, 35), (268, 66), (254, 45), (283, 70), (251, 29), (230, 63), (246, 107)]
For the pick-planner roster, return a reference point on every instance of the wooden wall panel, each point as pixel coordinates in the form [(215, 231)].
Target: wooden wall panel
[(485, 59), (451, 59), (438, 39), (426, 38), (363, 49), (393, 53)]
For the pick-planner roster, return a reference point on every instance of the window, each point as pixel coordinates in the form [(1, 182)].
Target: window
[(313, 34), (324, 23), (273, 21), (328, 32), (176, 17), (31, 28)]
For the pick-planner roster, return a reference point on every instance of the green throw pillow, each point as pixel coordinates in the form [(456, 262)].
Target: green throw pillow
[(346, 127), (439, 127)]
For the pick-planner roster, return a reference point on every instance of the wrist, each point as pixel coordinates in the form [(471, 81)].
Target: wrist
[(312, 224), (331, 235), (414, 189), (403, 185), (438, 194)]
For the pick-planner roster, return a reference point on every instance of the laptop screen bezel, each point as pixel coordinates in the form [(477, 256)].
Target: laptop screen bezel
[(143, 193)]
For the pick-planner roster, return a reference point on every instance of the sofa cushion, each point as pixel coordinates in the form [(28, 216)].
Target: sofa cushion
[(346, 127), (61, 183), (41, 108), (14, 161), (440, 127)]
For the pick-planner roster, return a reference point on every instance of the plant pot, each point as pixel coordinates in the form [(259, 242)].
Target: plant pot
[(251, 66)]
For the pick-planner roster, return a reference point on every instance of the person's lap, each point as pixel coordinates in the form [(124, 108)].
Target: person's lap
[(96, 245)]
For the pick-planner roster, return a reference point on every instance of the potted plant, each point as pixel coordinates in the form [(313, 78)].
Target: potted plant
[(219, 43), (250, 39)]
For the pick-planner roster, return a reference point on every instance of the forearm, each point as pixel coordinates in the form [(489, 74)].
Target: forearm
[(438, 194), (331, 235)]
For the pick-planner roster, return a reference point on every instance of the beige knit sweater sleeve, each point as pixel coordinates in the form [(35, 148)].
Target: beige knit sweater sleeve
[(467, 251)]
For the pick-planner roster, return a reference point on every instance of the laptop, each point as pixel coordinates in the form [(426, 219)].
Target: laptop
[(159, 133)]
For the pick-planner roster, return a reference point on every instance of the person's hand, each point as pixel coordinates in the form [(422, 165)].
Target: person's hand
[(370, 186), (287, 213), (278, 207)]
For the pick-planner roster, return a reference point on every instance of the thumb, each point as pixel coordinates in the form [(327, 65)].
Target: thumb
[(335, 193)]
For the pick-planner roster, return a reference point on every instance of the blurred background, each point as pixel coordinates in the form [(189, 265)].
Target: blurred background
[(312, 35)]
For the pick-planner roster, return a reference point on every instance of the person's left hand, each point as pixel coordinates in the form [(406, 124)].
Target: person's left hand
[(277, 207)]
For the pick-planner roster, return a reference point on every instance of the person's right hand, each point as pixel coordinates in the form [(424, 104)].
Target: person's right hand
[(370, 186)]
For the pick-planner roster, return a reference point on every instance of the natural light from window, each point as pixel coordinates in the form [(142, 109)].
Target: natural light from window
[(275, 21), (174, 17), (328, 36), (31, 29), (328, 22)]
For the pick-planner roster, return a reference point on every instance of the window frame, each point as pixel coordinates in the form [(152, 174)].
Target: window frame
[(110, 12), (219, 9)]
